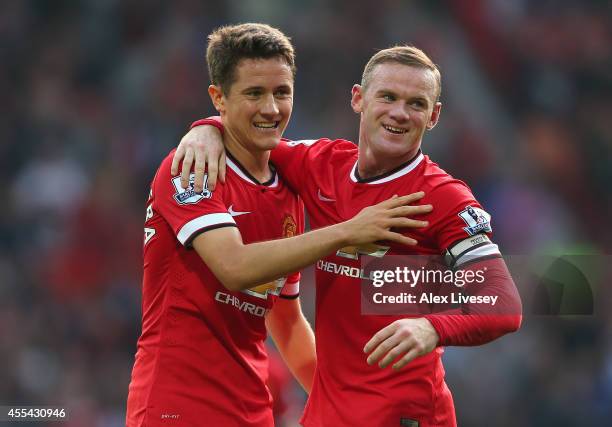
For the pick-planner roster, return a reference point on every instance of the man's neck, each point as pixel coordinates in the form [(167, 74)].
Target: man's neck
[(255, 162), (369, 165)]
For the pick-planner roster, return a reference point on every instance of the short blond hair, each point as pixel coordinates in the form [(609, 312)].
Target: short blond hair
[(406, 55)]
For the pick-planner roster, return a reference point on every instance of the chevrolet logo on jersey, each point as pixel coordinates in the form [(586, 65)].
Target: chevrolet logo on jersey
[(270, 288), (371, 249)]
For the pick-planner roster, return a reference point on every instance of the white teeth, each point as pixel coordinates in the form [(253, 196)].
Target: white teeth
[(394, 129), (265, 125)]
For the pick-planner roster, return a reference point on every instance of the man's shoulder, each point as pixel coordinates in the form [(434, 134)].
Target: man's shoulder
[(322, 144), (436, 181)]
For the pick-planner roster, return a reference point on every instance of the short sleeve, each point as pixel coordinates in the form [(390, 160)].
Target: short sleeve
[(291, 158), (462, 228), (188, 213)]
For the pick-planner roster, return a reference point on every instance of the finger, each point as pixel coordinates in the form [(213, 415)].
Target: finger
[(397, 201), (413, 197), (406, 223), (222, 167), (176, 160), (200, 168), (187, 162), (213, 168), (392, 236), (379, 337), (383, 348), (406, 359), (410, 210), (401, 348)]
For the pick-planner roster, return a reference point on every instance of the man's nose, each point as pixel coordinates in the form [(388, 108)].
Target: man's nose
[(269, 106), (399, 112)]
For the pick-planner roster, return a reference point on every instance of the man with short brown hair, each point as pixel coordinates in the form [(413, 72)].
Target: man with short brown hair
[(397, 103), (218, 262)]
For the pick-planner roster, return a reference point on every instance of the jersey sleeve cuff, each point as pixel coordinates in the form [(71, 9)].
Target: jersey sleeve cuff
[(211, 121), (294, 296), (206, 222), (291, 290)]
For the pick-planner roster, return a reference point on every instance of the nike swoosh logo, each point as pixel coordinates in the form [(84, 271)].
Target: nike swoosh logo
[(234, 213), (323, 198)]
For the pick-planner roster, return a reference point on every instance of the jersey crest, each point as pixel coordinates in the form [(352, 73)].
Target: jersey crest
[(289, 226)]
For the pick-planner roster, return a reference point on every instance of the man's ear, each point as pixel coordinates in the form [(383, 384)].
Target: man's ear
[(216, 96), (435, 116), (357, 98)]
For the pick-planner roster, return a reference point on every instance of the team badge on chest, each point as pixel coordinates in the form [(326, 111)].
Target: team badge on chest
[(289, 226)]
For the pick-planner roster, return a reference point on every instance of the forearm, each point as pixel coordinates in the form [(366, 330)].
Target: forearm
[(298, 352), (295, 341), (245, 266), (239, 266), (475, 325)]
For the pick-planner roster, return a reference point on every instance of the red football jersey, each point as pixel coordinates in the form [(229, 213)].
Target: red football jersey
[(347, 391), (201, 358)]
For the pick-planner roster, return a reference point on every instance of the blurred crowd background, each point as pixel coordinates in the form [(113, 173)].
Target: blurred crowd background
[(95, 93)]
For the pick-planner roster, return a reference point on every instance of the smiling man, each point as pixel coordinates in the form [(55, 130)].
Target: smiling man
[(397, 102), (214, 278)]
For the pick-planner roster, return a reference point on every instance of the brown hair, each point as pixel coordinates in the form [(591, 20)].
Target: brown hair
[(229, 44), (406, 55)]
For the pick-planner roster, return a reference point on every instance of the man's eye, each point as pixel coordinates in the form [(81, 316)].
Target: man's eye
[(282, 94), (388, 97), (254, 93)]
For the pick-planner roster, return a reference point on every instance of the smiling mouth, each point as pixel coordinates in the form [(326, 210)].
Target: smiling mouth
[(394, 130), (266, 125)]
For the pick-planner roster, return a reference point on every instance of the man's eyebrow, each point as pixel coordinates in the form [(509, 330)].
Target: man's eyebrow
[(251, 88), (420, 98), (261, 88), (383, 92), (412, 98)]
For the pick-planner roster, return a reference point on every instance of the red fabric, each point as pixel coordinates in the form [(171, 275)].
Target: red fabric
[(201, 355), (346, 390), (212, 121), (478, 325)]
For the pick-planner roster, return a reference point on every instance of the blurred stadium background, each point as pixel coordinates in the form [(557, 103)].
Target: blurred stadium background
[(95, 93)]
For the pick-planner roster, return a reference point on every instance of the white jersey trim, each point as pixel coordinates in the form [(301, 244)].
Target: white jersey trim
[(291, 288), (233, 166), (480, 252), (195, 225), (470, 249), (407, 169)]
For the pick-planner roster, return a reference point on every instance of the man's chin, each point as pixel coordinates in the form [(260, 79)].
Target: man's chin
[(392, 148), (267, 143)]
